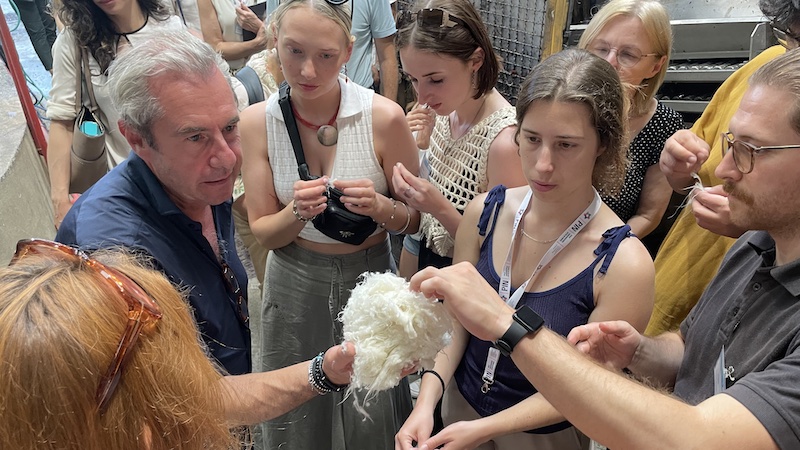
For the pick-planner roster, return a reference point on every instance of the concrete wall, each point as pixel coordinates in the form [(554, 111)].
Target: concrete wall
[(25, 209)]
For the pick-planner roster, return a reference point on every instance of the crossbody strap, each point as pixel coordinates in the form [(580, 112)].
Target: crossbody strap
[(294, 133)]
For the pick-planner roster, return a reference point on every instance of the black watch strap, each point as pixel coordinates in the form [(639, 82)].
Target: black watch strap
[(525, 321)]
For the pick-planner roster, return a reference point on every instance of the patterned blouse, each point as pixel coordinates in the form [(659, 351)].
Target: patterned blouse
[(645, 151)]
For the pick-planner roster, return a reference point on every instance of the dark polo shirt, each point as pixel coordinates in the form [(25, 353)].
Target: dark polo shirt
[(751, 307)]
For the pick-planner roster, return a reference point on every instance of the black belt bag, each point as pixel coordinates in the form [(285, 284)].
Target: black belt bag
[(336, 222)]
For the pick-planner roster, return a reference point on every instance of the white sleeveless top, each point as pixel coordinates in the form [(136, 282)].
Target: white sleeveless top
[(355, 152)]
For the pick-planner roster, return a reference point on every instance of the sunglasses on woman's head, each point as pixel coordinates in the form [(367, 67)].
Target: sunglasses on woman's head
[(143, 312), (431, 18)]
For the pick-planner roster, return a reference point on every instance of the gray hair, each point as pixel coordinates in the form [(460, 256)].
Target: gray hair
[(174, 52)]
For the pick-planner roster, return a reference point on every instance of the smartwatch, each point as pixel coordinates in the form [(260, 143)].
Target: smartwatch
[(525, 322)]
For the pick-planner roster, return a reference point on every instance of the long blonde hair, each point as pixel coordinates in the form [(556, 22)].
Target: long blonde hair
[(60, 324)]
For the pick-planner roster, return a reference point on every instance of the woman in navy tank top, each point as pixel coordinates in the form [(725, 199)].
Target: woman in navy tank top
[(572, 138)]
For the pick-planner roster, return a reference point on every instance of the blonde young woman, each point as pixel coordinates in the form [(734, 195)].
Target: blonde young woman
[(552, 245), (635, 37), (309, 275)]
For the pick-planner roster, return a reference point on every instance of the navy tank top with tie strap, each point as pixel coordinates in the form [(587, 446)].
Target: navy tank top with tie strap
[(563, 308)]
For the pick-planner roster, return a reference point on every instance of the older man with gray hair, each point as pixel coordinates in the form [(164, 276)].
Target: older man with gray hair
[(171, 201)]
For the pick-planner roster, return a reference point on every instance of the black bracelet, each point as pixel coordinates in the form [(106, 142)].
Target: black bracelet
[(318, 380), (431, 371)]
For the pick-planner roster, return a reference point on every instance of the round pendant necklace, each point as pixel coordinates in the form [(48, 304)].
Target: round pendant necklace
[(327, 134)]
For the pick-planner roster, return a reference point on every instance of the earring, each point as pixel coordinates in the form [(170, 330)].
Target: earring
[(474, 79)]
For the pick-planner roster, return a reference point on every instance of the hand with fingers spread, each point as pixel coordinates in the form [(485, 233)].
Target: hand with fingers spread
[(684, 153), (613, 343), (309, 197), (712, 212)]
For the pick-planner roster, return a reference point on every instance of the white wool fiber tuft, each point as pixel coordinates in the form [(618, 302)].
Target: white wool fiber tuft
[(392, 328)]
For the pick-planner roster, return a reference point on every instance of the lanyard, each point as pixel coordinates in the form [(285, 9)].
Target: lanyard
[(504, 289)]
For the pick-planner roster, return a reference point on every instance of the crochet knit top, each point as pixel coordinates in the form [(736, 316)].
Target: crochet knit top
[(458, 169)]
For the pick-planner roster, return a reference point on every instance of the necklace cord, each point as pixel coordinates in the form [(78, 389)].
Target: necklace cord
[(311, 125)]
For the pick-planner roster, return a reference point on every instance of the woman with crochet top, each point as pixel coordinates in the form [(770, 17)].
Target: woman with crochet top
[(446, 52), (552, 245), (635, 37), (351, 140)]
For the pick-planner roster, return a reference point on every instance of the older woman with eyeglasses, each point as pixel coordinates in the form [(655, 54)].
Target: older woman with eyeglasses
[(100, 352), (636, 38)]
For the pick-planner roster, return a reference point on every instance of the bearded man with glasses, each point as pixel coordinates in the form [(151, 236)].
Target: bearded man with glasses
[(693, 250)]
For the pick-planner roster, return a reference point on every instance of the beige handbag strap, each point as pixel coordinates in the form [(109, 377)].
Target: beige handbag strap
[(87, 76), (84, 78)]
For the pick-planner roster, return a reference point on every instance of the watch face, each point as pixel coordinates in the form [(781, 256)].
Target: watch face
[(528, 318)]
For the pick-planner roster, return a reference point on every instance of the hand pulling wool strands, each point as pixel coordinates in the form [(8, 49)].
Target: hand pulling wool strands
[(393, 329), (693, 190)]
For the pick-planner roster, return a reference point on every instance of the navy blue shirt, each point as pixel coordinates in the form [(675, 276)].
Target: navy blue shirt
[(129, 207)]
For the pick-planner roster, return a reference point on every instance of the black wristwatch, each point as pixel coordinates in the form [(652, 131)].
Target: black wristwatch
[(526, 321)]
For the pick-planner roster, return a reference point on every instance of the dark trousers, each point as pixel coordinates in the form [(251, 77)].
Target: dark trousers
[(41, 28)]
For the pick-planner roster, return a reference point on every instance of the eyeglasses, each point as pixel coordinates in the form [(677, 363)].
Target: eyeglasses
[(236, 290), (786, 38), (744, 153), (143, 312), (626, 56), (432, 18)]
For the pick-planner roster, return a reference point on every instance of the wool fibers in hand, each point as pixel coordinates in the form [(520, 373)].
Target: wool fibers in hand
[(393, 329)]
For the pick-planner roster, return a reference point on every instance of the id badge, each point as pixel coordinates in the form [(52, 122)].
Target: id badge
[(720, 373)]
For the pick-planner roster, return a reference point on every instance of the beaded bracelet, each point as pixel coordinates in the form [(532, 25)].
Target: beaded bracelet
[(431, 371), (318, 380), (297, 214), (394, 209), (408, 221)]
